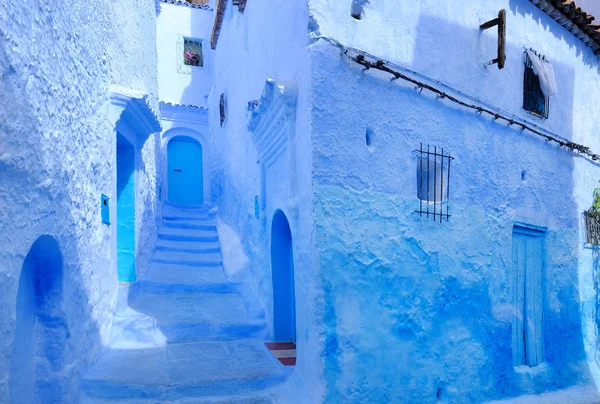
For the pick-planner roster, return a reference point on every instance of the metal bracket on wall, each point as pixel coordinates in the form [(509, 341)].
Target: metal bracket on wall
[(501, 23)]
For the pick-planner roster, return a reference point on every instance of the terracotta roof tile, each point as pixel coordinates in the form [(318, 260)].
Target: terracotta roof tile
[(573, 18)]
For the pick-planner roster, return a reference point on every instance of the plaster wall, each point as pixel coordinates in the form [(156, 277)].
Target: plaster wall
[(180, 84), (268, 40), (57, 154), (418, 311)]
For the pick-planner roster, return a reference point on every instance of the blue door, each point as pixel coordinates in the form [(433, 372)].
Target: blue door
[(282, 262), (184, 156), (528, 323), (125, 210)]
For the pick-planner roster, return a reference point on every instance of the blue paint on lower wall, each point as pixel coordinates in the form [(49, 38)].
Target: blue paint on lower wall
[(41, 328), (125, 211)]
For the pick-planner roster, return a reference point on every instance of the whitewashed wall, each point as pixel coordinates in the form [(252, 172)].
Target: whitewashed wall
[(58, 148), (178, 84)]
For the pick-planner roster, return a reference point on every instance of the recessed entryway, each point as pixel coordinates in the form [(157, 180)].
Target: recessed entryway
[(282, 263)]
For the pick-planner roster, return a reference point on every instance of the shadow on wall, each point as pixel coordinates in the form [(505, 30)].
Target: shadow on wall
[(549, 25), (36, 369)]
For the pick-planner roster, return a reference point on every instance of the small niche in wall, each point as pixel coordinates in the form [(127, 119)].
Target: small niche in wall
[(369, 139), (105, 209), (357, 9)]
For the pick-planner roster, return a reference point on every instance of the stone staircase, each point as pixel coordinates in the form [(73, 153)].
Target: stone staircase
[(184, 334)]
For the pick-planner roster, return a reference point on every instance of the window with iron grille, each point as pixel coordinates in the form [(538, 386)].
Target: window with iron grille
[(222, 107), (534, 99), (433, 182), (192, 52)]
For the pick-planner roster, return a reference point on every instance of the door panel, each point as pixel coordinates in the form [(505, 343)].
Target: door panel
[(528, 328), (185, 171)]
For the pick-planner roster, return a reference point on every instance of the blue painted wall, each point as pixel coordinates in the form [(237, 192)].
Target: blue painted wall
[(41, 328), (125, 211), (185, 171), (282, 265)]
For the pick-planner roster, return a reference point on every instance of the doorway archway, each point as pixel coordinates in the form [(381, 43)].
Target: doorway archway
[(184, 165), (41, 327), (282, 264)]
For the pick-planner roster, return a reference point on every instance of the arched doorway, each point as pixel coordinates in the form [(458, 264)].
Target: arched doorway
[(41, 329), (184, 164), (282, 264)]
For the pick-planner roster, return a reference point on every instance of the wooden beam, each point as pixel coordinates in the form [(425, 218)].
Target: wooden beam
[(501, 23)]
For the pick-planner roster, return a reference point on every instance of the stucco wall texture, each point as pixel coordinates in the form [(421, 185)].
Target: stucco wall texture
[(269, 40), (418, 311), (57, 154)]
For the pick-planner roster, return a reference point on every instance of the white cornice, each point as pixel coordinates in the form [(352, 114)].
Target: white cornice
[(183, 113), (132, 108)]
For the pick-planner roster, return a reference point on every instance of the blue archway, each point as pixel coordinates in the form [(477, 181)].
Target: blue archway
[(282, 263), (184, 164), (41, 329)]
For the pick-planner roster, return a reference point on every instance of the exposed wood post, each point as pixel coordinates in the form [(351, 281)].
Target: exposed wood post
[(501, 23)]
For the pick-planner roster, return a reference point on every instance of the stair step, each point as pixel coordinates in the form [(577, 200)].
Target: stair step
[(246, 399), (213, 256), (187, 263), (189, 226), (188, 238), (203, 219), (189, 245), (176, 231), (177, 371), (199, 251), (171, 278)]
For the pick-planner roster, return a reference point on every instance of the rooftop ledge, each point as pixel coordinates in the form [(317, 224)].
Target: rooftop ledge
[(199, 4)]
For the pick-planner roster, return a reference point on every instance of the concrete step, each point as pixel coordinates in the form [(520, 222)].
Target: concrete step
[(211, 256), (196, 236), (263, 398), (180, 371), (167, 242), (174, 224), (173, 278)]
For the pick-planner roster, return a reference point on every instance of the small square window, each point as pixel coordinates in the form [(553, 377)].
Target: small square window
[(534, 99), (192, 52)]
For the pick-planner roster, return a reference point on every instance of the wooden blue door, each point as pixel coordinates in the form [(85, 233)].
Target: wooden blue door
[(184, 156), (282, 262), (528, 322), (125, 211)]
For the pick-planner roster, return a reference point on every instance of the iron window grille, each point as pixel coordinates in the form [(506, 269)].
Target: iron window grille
[(433, 182), (222, 106), (190, 54), (592, 226), (534, 100)]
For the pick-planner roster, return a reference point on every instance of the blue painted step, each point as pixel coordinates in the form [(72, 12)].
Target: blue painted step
[(184, 370)]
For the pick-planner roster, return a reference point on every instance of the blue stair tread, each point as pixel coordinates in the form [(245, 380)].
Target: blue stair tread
[(169, 273), (193, 369)]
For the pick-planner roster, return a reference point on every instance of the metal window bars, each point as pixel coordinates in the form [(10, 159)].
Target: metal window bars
[(432, 200), (534, 100), (192, 52), (592, 226)]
